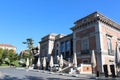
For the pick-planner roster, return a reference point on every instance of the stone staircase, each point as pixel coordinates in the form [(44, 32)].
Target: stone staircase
[(67, 66)]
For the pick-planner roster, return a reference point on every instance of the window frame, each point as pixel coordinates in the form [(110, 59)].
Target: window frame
[(110, 45), (85, 43)]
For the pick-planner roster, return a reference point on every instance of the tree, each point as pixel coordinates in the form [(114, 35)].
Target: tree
[(1, 53), (29, 42), (26, 55), (8, 56), (12, 56), (5, 54)]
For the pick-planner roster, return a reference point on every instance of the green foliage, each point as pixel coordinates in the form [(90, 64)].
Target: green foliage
[(12, 56), (1, 53), (7, 56), (29, 42), (7, 60), (22, 62), (4, 65), (25, 56), (15, 63), (5, 53)]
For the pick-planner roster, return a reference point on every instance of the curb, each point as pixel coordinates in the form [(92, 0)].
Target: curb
[(89, 76)]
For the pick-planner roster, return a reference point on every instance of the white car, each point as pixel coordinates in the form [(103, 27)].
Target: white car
[(54, 68)]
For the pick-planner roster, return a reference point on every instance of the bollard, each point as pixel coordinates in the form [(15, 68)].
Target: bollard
[(112, 68), (105, 70), (97, 74)]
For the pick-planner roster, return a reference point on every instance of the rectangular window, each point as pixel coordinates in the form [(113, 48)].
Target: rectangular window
[(85, 61), (119, 45), (85, 44), (56, 52), (110, 51), (67, 45), (62, 47)]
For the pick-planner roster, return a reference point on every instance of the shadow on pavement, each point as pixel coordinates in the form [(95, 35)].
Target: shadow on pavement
[(33, 78), (7, 77), (61, 79)]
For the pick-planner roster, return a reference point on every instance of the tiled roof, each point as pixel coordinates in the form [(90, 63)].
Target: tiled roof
[(7, 45)]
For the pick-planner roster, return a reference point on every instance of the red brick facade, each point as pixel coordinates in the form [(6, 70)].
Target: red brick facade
[(101, 35)]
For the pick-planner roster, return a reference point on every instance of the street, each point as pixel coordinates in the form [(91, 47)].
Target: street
[(23, 74)]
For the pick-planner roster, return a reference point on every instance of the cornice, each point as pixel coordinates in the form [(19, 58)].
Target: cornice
[(92, 18)]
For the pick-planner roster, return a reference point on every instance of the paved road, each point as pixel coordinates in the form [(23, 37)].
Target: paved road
[(23, 74)]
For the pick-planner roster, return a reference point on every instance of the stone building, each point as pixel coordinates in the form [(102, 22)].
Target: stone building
[(8, 46), (93, 32), (99, 33), (47, 45), (56, 44), (64, 46)]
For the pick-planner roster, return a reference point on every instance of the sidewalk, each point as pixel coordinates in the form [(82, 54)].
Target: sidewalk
[(79, 76), (1, 74), (86, 76)]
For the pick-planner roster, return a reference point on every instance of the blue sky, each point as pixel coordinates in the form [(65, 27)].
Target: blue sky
[(21, 19)]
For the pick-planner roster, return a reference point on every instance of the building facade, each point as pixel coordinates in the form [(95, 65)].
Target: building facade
[(8, 46), (64, 46), (99, 33), (47, 45), (93, 32)]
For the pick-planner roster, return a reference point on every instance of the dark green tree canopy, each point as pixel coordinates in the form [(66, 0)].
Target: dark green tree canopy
[(8, 56), (29, 42)]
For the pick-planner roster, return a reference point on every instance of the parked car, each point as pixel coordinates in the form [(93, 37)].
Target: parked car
[(54, 68)]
